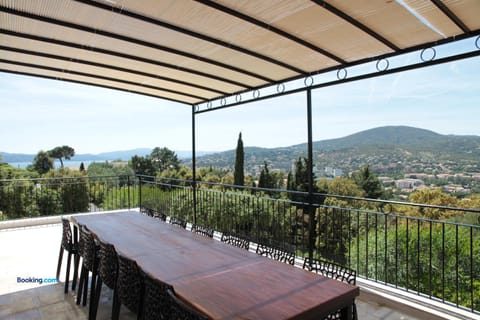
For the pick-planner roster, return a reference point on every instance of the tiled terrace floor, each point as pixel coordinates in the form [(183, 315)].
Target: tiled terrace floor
[(33, 252)]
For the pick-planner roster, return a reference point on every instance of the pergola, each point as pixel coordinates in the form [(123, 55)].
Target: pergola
[(222, 53)]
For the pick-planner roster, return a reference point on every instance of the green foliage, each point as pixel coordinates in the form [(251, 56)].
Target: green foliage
[(62, 152), (402, 255), (9, 172), (119, 198), (73, 189), (182, 172), (142, 165), (163, 159), (434, 197), (239, 170), (266, 180), (16, 200), (159, 160), (42, 163), (107, 169), (368, 181)]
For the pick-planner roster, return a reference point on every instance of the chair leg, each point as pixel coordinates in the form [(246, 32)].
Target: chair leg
[(93, 285), (67, 275), (59, 264), (80, 285), (85, 288), (116, 305), (94, 300), (76, 259)]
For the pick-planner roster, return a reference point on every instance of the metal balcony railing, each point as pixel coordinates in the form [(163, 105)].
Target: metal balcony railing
[(22, 198), (391, 243), (387, 242)]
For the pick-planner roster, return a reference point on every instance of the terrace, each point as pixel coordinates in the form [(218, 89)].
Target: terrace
[(434, 287), (177, 51)]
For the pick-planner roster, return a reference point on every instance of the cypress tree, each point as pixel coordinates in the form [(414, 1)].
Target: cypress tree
[(238, 174), (266, 179)]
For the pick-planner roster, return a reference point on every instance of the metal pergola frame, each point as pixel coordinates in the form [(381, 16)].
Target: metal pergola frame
[(91, 42), (307, 87)]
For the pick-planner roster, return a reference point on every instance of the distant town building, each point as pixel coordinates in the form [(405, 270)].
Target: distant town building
[(409, 183), (333, 172)]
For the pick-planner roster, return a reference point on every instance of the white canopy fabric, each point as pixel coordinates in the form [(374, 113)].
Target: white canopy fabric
[(193, 51)]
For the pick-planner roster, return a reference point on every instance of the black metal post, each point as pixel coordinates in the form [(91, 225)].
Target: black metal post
[(311, 208), (128, 190), (139, 192), (194, 168)]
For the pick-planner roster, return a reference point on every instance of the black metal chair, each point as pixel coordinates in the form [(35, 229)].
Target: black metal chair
[(160, 215), (178, 222), (107, 274), (130, 286), (276, 253), (236, 241), (88, 250), (160, 302), (68, 244), (204, 231), (334, 271), (155, 214)]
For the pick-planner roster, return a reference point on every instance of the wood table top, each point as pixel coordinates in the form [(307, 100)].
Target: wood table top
[(223, 281)]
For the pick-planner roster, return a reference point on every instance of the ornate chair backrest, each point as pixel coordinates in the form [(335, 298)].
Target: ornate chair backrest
[(204, 231), (331, 270), (236, 241), (276, 253)]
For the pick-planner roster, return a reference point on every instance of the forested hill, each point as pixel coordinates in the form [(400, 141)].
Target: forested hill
[(378, 146)]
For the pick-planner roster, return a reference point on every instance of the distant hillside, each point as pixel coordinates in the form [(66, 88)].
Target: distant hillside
[(379, 147), (105, 156)]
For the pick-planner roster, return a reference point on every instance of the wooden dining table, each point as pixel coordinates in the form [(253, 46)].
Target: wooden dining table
[(220, 280)]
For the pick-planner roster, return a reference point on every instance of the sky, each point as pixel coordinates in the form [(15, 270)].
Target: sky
[(38, 114)]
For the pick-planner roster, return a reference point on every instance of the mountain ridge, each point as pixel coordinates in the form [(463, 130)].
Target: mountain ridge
[(375, 146), (403, 143), (123, 155)]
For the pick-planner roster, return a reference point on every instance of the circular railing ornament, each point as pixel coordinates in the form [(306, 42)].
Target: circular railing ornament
[(433, 54), (209, 105), (308, 81), (256, 94), (280, 88), (383, 62), (477, 42), (238, 98), (223, 102), (342, 74)]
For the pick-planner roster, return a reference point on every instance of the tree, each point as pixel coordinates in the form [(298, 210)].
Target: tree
[(164, 158), (368, 181), (42, 163), (434, 197), (266, 179), (239, 173), (300, 177), (142, 165), (82, 167), (62, 152)]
